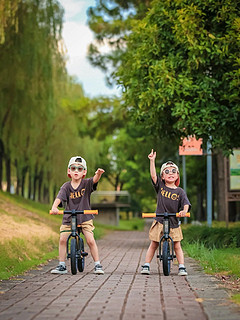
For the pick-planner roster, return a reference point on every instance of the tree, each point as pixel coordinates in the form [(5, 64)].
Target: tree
[(111, 21), (8, 17), (181, 70), (32, 67)]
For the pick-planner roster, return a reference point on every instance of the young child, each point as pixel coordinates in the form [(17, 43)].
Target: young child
[(76, 194), (170, 198)]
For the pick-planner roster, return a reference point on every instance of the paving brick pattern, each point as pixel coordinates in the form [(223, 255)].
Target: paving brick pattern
[(121, 293)]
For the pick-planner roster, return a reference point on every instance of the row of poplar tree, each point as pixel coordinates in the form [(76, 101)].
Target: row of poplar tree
[(37, 133)]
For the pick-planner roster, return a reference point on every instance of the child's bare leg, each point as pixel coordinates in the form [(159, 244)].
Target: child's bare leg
[(179, 252), (62, 246), (180, 258), (149, 256), (92, 245), (151, 250), (61, 268), (94, 251)]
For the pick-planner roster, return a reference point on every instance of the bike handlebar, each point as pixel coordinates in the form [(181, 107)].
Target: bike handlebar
[(153, 215), (75, 211)]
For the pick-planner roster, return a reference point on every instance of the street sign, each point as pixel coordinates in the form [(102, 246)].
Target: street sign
[(191, 147)]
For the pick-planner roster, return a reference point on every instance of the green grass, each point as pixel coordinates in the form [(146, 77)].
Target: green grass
[(222, 261), (236, 298), (22, 254), (215, 260)]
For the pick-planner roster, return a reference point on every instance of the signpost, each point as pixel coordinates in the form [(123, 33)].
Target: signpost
[(232, 180), (190, 147), (209, 184)]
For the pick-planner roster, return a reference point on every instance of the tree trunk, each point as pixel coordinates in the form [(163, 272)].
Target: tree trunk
[(221, 197), (1, 162), (40, 186), (54, 192), (200, 214), (18, 178), (35, 180), (24, 171), (46, 194), (30, 184), (8, 174)]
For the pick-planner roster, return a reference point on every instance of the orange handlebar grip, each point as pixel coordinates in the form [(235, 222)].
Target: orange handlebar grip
[(90, 211), (85, 212), (186, 215), (59, 212), (148, 215)]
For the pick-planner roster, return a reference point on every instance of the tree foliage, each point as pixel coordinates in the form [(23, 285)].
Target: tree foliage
[(181, 70), (32, 76), (8, 16), (111, 21)]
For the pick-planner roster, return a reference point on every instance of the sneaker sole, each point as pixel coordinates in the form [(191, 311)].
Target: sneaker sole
[(99, 272), (145, 272), (182, 274), (59, 272)]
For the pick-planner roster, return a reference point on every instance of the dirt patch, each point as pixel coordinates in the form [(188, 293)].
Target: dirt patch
[(229, 282), (20, 223)]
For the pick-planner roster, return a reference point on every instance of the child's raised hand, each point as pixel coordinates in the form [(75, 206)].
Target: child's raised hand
[(152, 155), (98, 175), (99, 171)]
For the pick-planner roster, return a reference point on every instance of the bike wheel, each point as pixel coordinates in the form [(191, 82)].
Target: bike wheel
[(73, 255), (166, 261), (81, 259)]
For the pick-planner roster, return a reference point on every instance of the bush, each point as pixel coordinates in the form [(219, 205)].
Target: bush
[(213, 237)]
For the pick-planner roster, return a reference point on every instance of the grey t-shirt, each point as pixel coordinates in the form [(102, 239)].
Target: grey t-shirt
[(170, 200), (77, 199)]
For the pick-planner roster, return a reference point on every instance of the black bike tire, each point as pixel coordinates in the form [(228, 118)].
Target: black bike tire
[(81, 260), (166, 262), (73, 253)]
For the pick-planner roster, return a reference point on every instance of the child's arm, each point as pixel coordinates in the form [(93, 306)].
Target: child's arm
[(98, 175), (183, 212), (55, 206), (152, 157)]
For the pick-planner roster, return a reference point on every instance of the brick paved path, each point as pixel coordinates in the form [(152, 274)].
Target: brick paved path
[(121, 293)]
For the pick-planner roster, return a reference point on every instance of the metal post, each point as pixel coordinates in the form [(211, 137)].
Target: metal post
[(184, 180), (209, 184), (226, 192)]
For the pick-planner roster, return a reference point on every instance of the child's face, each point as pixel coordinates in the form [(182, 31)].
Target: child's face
[(170, 175), (77, 171)]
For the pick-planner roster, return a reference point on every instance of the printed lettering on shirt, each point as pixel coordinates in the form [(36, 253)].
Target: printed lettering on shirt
[(169, 194), (75, 195)]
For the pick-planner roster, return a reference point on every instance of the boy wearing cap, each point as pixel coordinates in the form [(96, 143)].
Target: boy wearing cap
[(76, 195), (170, 198)]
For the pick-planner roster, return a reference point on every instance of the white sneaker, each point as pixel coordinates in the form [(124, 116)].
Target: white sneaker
[(98, 269), (182, 272), (145, 270), (60, 269)]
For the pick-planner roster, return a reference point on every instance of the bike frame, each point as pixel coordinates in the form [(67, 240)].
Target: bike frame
[(166, 236), (74, 227), (74, 241), (166, 244)]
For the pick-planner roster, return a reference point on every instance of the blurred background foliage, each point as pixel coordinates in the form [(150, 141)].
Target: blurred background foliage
[(178, 65)]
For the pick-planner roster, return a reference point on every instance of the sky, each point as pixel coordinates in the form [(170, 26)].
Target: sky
[(77, 36)]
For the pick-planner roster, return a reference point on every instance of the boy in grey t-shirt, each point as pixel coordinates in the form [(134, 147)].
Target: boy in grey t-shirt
[(172, 199), (76, 194)]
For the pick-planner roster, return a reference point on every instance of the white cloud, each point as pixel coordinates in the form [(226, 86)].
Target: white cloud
[(73, 7), (77, 37)]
